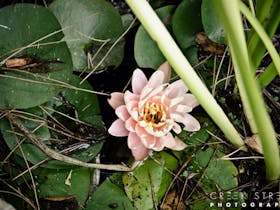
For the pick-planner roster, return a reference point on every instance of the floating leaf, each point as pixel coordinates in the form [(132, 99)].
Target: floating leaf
[(55, 183), (218, 178), (211, 22), (146, 185), (26, 24), (31, 152), (146, 51), (87, 25), (95, 131), (110, 195), (187, 22)]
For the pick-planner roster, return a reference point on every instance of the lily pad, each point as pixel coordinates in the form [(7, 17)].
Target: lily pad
[(146, 185), (95, 131), (88, 24), (146, 52), (219, 181), (211, 22), (26, 24), (187, 22), (65, 183), (109, 195)]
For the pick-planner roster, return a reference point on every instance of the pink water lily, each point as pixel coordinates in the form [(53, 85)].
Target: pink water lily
[(153, 109)]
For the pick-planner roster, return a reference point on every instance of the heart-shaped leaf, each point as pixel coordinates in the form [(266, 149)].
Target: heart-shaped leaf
[(187, 22), (91, 27), (211, 22), (31, 32), (146, 51)]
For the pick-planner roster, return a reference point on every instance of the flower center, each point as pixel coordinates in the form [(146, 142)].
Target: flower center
[(153, 113)]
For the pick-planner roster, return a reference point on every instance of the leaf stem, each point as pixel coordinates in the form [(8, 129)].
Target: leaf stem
[(249, 90), (262, 34), (178, 61)]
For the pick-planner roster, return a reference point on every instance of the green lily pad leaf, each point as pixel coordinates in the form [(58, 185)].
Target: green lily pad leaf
[(211, 22), (110, 195), (88, 24), (48, 57), (31, 152), (85, 103), (147, 184), (146, 51), (216, 176), (191, 55), (65, 183), (187, 22), (87, 108), (127, 20)]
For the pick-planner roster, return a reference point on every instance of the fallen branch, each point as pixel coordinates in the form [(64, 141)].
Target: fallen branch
[(57, 156)]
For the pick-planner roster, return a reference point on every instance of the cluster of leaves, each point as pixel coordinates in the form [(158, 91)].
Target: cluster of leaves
[(61, 109)]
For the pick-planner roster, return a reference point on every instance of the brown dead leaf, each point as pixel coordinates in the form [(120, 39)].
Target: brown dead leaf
[(208, 45), (17, 62), (172, 202), (254, 143)]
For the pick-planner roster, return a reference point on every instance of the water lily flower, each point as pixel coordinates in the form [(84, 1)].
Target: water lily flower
[(153, 109)]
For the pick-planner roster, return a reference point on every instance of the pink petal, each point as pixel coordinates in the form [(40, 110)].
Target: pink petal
[(159, 144), (179, 144), (190, 123), (190, 100), (156, 79), (132, 108), (130, 124), (122, 113), (176, 89), (145, 95), (182, 108), (174, 143), (169, 140), (118, 129), (133, 141), (128, 96), (148, 140), (176, 128), (176, 100), (166, 69), (139, 151), (116, 99), (139, 80)]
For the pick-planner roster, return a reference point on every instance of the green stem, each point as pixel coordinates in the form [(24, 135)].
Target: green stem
[(267, 76), (262, 9), (262, 34), (248, 87), (171, 51), (267, 13)]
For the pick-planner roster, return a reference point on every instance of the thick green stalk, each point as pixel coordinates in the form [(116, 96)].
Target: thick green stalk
[(178, 61), (248, 87), (262, 34)]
